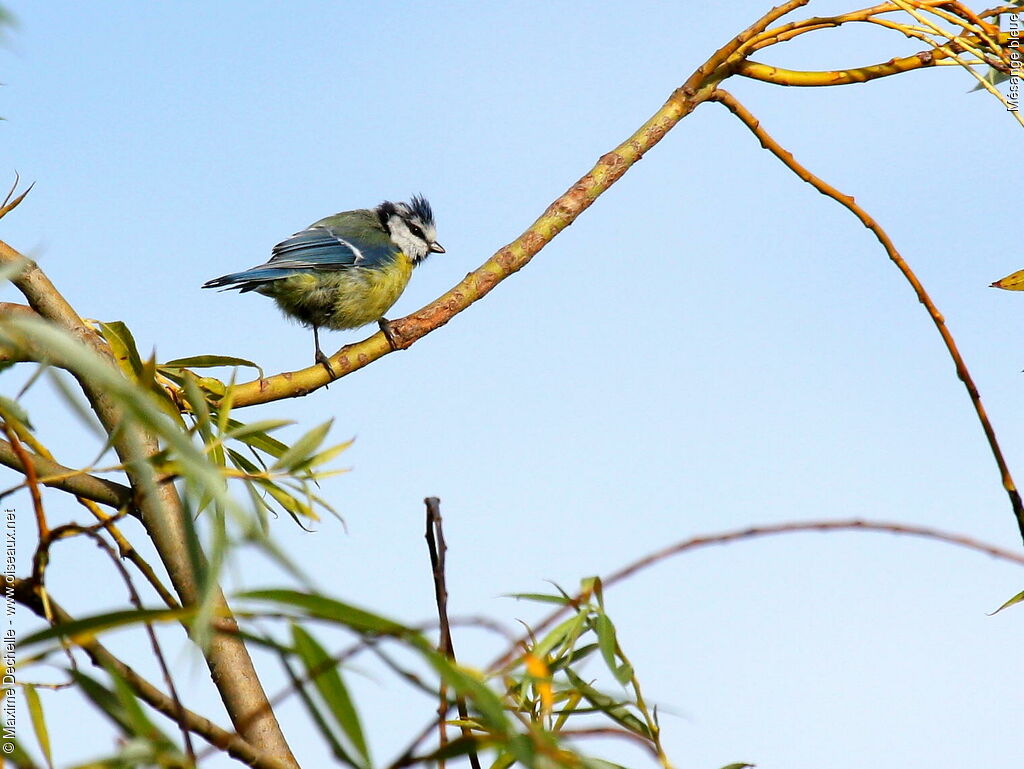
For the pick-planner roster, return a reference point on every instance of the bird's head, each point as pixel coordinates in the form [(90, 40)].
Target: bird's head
[(411, 227)]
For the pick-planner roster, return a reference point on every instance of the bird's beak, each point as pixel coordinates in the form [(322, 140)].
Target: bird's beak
[(436, 248)]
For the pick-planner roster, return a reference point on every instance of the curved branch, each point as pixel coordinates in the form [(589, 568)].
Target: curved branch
[(517, 254), (813, 79), (754, 532), (768, 143)]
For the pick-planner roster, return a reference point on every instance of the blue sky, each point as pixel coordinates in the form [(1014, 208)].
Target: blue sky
[(711, 345)]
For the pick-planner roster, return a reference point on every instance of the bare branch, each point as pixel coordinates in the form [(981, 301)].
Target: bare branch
[(75, 482), (848, 202), (756, 532)]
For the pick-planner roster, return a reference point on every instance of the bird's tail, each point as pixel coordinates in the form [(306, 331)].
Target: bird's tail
[(247, 280)]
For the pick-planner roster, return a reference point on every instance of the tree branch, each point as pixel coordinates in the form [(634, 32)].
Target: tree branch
[(220, 738), (753, 532), (768, 143), (57, 476), (231, 667), (517, 254)]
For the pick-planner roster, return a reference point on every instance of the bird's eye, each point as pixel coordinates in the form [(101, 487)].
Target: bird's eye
[(415, 230)]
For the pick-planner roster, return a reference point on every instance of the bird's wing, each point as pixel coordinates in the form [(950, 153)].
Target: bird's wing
[(322, 247), (343, 241)]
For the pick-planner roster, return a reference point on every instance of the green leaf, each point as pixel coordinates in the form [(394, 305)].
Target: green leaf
[(133, 713), (210, 361), (1016, 599), (102, 698), (577, 654), (302, 448), (14, 410), (328, 681), (565, 632), (319, 721), (326, 456), (122, 343), (18, 756), (614, 709), (599, 763), (741, 765), (35, 711), (609, 646), (292, 504), (460, 746), (329, 609), (540, 598), (99, 623), (259, 440), (261, 427), (470, 685)]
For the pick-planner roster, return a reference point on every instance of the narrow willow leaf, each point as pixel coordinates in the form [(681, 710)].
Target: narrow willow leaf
[(17, 755), (35, 712), (1012, 282), (576, 656), (303, 447), (260, 440), (564, 633), (102, 698), (540, 598), (132, 710), (262, 427), (327, 455), (122, 343), (328, 681), (470, 685), (609, 646), (614, 709), (741, 765), (210, 361), (329, 609), (243, 462), (86, 627), (11, 409), (462, 746), (1015, 600), (599, 763), (286, 500)]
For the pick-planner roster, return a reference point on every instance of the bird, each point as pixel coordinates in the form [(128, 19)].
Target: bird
[(346, 270)]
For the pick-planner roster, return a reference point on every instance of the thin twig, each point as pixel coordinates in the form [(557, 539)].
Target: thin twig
[(136, 601), (438, 549), (31, 480), (752, 123), (755, 532), (9, 205)]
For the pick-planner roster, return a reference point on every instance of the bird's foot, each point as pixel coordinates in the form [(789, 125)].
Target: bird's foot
[(385, 326), (324, 361)]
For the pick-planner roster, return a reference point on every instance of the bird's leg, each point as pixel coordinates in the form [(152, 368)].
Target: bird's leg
[(320, 357), (388, 333)]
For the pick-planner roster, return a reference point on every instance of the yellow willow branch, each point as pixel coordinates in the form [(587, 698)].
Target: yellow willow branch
[(517, 254), (780, 76), (795, 28), (768, 143)]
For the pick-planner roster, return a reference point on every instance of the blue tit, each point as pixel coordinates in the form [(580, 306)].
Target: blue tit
[(346, 270)]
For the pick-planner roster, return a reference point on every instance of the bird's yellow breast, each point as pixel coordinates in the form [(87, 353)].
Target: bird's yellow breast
[(343, 299)]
